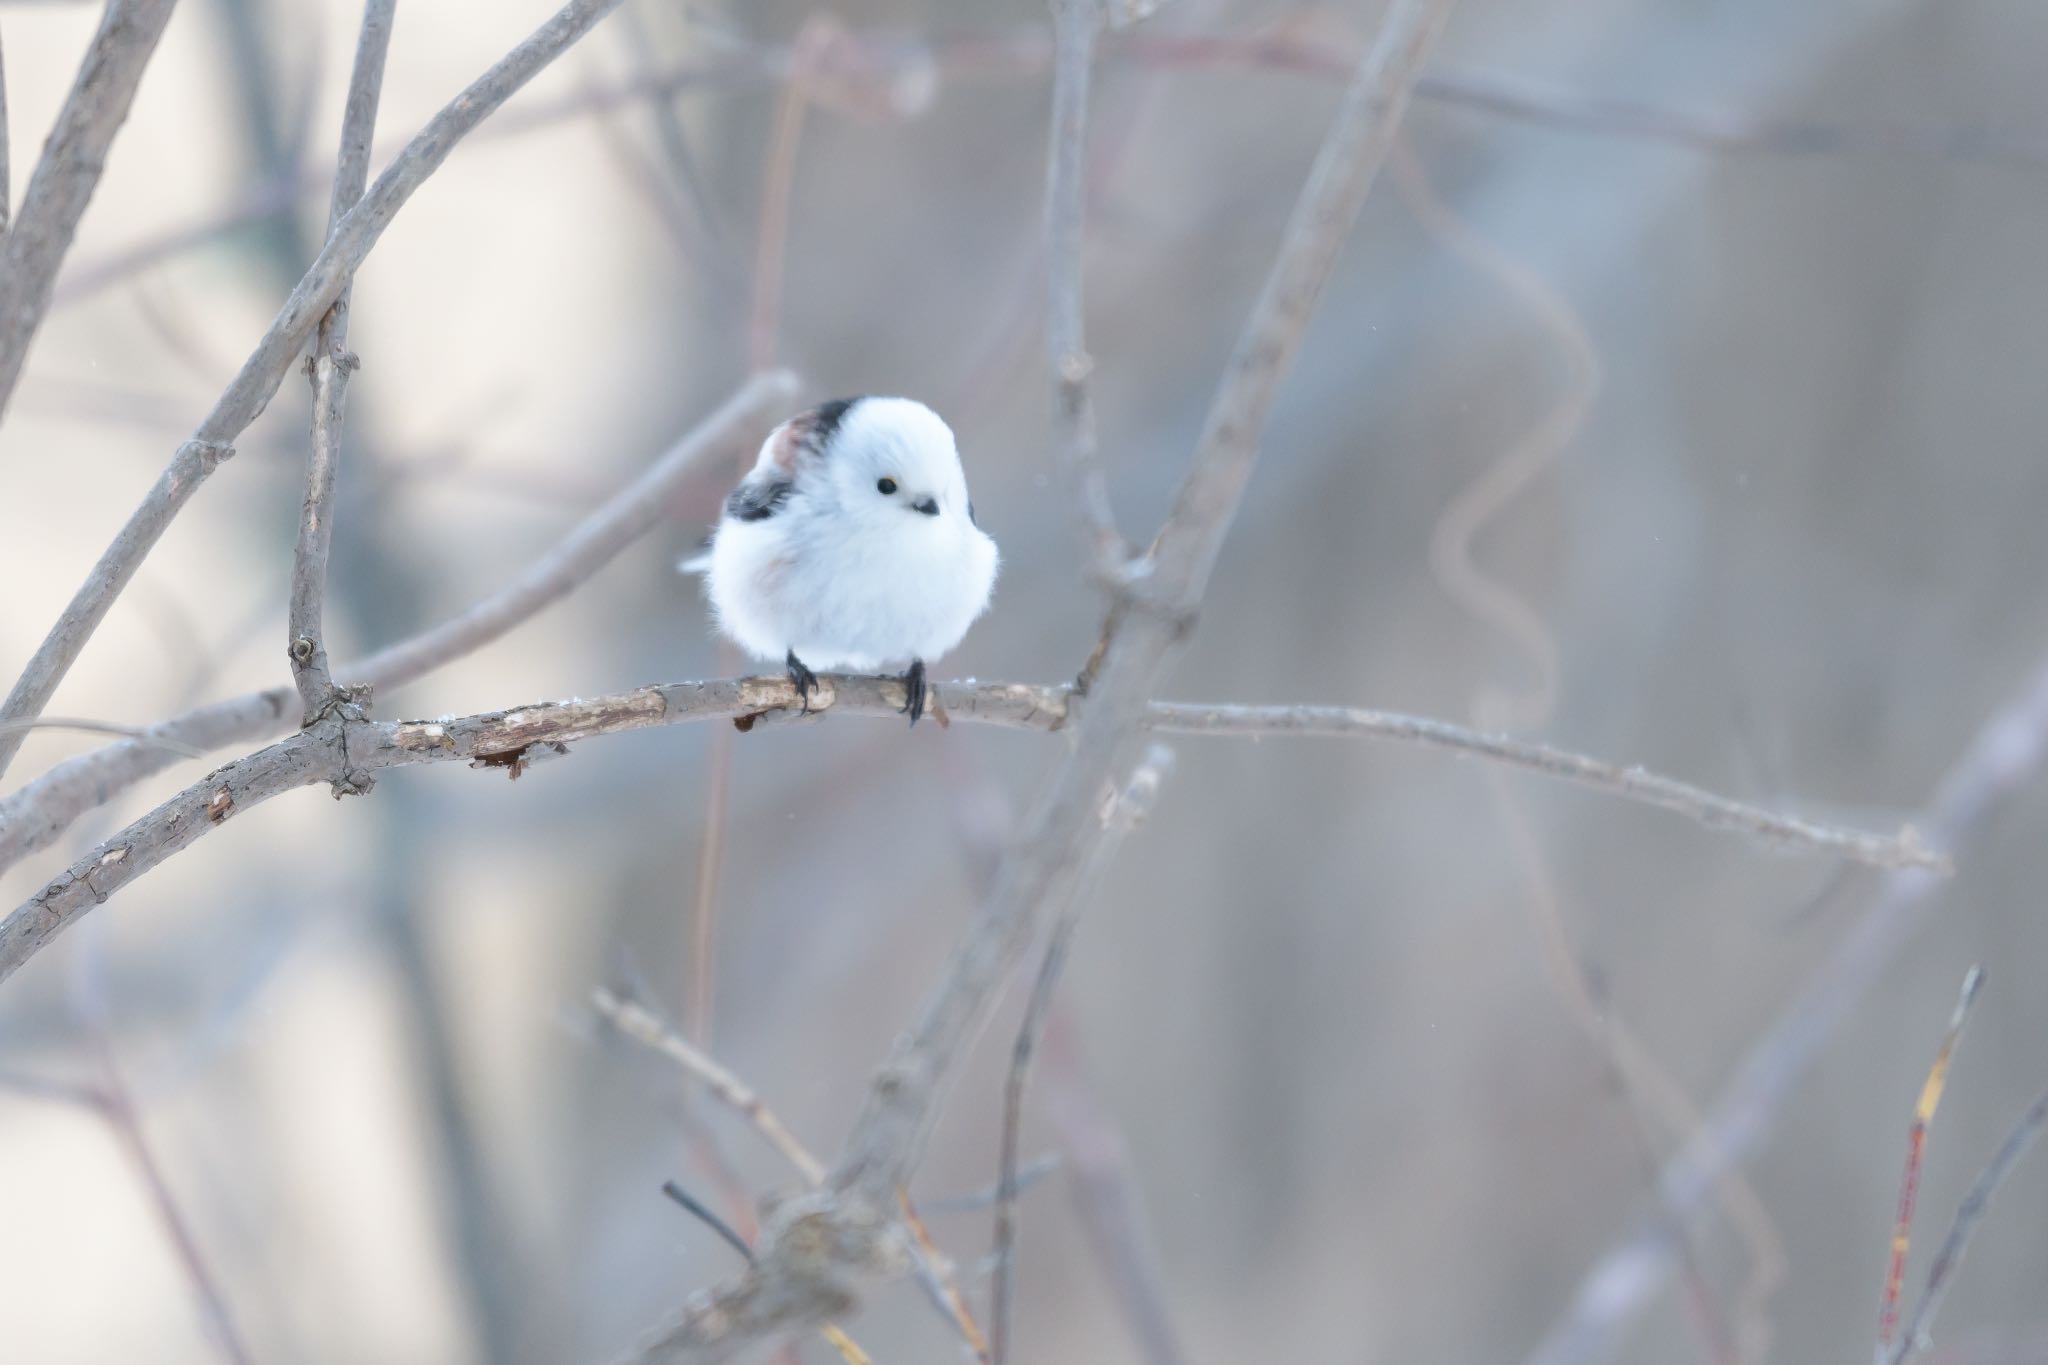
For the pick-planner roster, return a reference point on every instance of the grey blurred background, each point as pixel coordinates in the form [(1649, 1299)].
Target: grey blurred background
[(1776, 408)]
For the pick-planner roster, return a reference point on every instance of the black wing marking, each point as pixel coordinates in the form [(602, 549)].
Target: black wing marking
[(758, 501), (825, 420)]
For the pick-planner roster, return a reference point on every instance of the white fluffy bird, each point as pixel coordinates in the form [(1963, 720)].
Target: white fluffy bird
[(852, 545)]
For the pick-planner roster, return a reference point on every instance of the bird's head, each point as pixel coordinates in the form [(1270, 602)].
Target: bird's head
[(891, 462)]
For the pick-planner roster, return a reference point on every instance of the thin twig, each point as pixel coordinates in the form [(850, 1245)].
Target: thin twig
[(1916, 1149), (1076, 26), (264, 370), (1969, 1214), (711, 1220), (1630, 782), (985, 1198), (1350, 159), (115, 1102), (140, 734), (515, 737), (38, 814), (941, 1284), (2005, 757), (646, 1028), (67, 173), (1120, 815), (329, 369)]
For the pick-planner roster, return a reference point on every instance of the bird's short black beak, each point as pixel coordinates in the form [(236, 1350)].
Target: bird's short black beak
[(928, 506)]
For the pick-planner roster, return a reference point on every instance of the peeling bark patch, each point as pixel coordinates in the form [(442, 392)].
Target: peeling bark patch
[(221, 804)]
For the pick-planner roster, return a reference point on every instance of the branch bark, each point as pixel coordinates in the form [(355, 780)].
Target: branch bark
[(1077, 24), (67, 173), (34, 817), (264, 370), (332, 362), (347, 753)]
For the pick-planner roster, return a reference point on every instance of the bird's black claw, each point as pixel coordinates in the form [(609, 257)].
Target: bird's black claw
[(914, 690), (801, 676)]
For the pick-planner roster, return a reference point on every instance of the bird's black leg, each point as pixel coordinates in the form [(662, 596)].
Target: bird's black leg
[(801, 675), (914, 690)]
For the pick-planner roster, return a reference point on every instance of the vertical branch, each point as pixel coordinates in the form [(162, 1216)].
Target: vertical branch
[(1076, 26), (1121, 814), (1916, 1149), (1968, 1215), (68, 172), (329, 369)]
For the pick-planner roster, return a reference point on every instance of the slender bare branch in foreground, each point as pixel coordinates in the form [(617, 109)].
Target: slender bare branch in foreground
[(305, 636), (1916, 1149), (1076, 26), (264, 370), (2005, 757), (1123, 813), (1968, 1215), (35, 816), (67, 173)]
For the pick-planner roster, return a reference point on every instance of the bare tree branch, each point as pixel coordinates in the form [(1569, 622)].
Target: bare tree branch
[(102, 727), (1631, 782), (1968, 1215), (347, 753), (1076, 26), (67, 173), (264, 370), (305, 638), (1345, 169), (35, 816), (2005, 757), (646, 1028)]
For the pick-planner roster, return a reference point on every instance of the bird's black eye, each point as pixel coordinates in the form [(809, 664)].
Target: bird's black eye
[(885, 486)]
